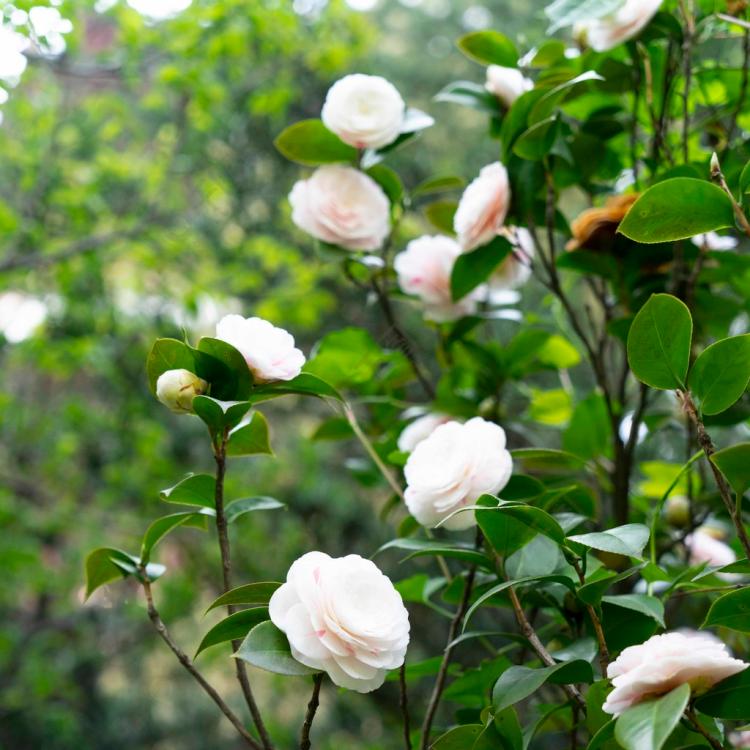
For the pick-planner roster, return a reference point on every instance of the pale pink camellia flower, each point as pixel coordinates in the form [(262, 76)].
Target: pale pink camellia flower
[(507, 84), (424, 269), (269, 351), (420, 429), (481, 212), (344, 617), (342, 206), (704, 547), (665, 662), (452, 468), (364, 111), (602, 34), (740, 739), (515, 270)]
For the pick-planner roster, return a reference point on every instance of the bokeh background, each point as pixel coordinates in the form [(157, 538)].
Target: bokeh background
[(140, 195)]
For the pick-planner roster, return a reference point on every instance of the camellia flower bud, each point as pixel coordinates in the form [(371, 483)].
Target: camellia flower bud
[(176, 389), (507, 84), (677, 511)]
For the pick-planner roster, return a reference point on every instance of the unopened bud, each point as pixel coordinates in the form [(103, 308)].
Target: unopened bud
[(677, 511), (715, 166), (176, 389)]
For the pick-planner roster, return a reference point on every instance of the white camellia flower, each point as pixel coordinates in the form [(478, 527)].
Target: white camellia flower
[(602, 34), (269, 351), (176, 389), (715, 241), (452, 468), (424, 269), (364, 111), (507, 84), (481, 212), (420, 429), (704, 547), (343, 206), (665, 662), (344, 617)]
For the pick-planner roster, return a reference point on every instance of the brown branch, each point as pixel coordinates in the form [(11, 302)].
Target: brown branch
[(312, 707), (687, 61), (404, 705), (597, 623), (693, 719), (220, 455), (437, 690), (530, 634), (705, 442), (717, 176), (186, 662)]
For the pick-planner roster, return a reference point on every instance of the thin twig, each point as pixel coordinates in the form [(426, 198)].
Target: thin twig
[(312, 707), (736, 21), (437, 690), (597, 623), (186, 662), (718, 177), (743, 85), (687, 51), (693, 719), (404, 705), (220, 455), (705, 442)]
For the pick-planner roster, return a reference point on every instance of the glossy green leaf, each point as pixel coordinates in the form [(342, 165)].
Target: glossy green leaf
[(436, 548), (647, 726), (233, 628), (537, 141), (547, 460), (238, 508), (677, 209), (734, 464), (474, 268), (168, 354), (729, 699), (438, 184), (517, 683), (629, 539), (107, 564), (721, 373), (194, 489), (309, 142), (349, 356), (458, 738), (551, 100), (440, 214), (220, 415), (304, 384), (265, 646), (731, 611), (250, 439), (225, 368), (489, 48), (469, 94), (164, 525), (249, 593), (659, 342), (646, 605)]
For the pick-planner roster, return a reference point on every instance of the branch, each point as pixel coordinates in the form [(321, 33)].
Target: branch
[(404, 705), (717, 176), (312, 707), (743, 84), (687, 51), (220, 455), (437, 691), (693, 719), (597, 623), (705, 442), (186, 662)]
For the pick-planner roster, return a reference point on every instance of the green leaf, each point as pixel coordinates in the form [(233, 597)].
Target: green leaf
[(647, 726), (537, 141), (458, 738), (250, 439), (734, 464), (547, 460), (440, 214), (194, 489), (436, 548), (250, 593), (646, 605), (469, 94), (162, 526), (233, 627), (107, 564), (350, 356), (438, 185), (731, 611), (489, 48), (677, 209), (238, 508), (589, 433), (389, 181), (552, 99), (304, 384), (220, 415), (569, 12), (517, 683), (721, 373), (629, 539), (729, 699), (167, 354), (659, 342), (268, 648), (225, 368), (474, 268), (311, 143)]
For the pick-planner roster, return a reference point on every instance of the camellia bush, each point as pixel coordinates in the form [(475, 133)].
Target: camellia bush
[(557, 409)]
